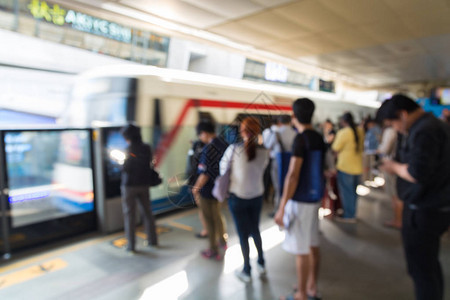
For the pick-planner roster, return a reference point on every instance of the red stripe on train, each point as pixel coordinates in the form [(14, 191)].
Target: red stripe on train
[(167, 140)]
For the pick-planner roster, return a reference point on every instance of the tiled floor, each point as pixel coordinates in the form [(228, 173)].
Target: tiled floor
[(359, 262)]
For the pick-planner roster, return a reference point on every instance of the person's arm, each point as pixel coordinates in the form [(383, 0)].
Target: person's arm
[(399, 169), (338, 143), (200, 183), (225, 161), (202, 171), (290, 185), (270, 140), (424, 156), (388, 140)]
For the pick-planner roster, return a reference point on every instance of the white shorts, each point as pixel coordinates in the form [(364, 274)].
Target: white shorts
[(301, 221)]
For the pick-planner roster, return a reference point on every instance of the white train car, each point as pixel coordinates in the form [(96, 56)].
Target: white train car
[(167, 104)]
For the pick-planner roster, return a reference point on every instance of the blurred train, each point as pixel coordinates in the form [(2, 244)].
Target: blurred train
[(167, 104)]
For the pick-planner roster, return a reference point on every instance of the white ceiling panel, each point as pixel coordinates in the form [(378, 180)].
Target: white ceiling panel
[(386, 32), (436, 45), (348, 58), (232, 9), (380, 41), (312, 15), (177, 11), (406, 48), (275, 25), (351, 37), (361, 11), (271, 3), (244, 34), (289, 49), (376, 53), (318, 44)]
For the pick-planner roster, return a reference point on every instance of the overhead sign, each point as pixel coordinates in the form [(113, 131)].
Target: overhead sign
[(276, 72), (79, 21)]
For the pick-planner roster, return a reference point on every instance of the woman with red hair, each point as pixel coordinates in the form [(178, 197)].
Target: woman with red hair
[(248, 162)]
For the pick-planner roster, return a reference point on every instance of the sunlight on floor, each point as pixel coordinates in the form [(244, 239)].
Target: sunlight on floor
[(271, 238), (170, 288)]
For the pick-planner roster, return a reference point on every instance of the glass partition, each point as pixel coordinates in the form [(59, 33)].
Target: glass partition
[(49, 175)]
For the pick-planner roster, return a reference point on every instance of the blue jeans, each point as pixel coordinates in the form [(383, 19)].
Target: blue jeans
[(347, 185), (246, 214)]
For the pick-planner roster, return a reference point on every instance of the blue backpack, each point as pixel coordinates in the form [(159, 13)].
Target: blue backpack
[(311, 183)]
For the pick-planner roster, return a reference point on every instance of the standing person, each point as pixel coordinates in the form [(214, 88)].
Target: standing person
[(371, 142), (248, 162), (279, 142), (192, 173), (135, 186), (423, 183), (299, 206), (349, 147), (387, 150), (267, 136), (208, 170), (328, 132)]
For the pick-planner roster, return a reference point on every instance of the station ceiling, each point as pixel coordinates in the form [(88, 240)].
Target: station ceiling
[(375, 43)]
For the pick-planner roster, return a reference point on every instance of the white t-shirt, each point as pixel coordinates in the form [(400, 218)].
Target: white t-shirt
[(388, 143), (246, 176), (287, 135)]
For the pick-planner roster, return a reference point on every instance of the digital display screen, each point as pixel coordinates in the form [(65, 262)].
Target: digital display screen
[(49, 175), (113, 143)]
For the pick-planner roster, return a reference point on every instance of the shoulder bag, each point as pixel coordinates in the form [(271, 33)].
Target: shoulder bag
[(222, 183)]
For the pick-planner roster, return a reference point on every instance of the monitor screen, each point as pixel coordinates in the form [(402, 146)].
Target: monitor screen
[(114, 146)]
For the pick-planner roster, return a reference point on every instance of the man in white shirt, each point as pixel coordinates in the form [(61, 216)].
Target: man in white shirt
[(278, 140)]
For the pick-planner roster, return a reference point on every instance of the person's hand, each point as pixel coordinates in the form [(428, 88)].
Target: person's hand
[(195, 192), (279, 217), (329, 173), (387, 165), (196, 197)]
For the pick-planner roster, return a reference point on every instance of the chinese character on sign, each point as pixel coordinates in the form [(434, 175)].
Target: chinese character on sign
[(41, 10), (58, 15)]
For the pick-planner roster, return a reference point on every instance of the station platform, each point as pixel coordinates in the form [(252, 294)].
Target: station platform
[(362, 261)]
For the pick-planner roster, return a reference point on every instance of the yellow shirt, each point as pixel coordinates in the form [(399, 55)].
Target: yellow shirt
[(349, 160)]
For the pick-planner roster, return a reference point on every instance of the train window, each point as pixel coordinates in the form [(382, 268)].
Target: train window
[(264, 120), (205, 117)]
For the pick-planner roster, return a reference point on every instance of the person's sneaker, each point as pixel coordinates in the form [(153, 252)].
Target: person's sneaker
[(261, 270), (243, 276), (346, 220), (208, 253)]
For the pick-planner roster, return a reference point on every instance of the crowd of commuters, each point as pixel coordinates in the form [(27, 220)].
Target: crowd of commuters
[(412, 149)]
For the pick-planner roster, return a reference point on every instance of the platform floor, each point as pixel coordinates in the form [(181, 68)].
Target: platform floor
[(361, 261)]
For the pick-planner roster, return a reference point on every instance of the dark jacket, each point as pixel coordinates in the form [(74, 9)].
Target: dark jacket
[(136, 168), (427, 151)]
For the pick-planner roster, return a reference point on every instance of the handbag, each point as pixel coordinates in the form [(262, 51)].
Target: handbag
[(222, 182), (154, 178)]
